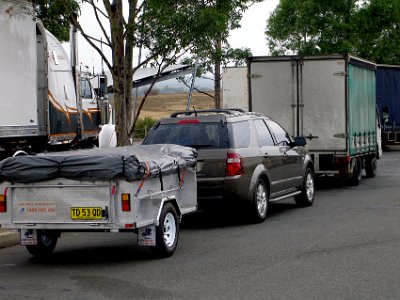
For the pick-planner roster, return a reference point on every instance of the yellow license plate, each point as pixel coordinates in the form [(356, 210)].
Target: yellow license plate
[(86, 213)]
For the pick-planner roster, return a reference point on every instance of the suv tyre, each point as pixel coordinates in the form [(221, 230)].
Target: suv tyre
[(306, 198), (260, 203)]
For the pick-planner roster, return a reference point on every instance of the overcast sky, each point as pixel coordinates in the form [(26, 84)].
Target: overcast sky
[(250, 35)]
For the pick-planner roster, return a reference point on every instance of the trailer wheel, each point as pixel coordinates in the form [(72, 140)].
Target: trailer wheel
[(46, 243), (357, 172), (306, 198), (167, 233), (370, 167), (260, 203)]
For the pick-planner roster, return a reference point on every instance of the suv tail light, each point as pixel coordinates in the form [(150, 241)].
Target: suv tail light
[(234, 164)]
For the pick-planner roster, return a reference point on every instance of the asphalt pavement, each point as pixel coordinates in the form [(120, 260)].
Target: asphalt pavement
[(10, 238)]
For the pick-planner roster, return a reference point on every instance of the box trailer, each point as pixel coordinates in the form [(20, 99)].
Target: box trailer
[(330, 100), (141, 189), (388, 101)]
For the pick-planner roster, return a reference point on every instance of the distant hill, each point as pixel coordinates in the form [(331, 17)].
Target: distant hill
[(170, 86), (173, 86)]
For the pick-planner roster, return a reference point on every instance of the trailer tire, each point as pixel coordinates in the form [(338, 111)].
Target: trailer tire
[(46, 242), (167, 233), (306, 198), (370, 167), (357, 172)]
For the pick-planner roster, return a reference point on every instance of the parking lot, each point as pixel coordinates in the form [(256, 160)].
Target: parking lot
[(346, 246)]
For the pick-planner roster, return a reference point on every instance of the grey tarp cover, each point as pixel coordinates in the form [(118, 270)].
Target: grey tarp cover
[(131, 163)]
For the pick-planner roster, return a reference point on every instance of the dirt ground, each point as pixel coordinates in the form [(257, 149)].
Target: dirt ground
[(159, 106)]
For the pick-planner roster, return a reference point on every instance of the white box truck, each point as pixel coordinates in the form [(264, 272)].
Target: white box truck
[(330, 100)]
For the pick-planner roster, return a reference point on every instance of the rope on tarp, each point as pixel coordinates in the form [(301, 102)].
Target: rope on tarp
[(142, 182)]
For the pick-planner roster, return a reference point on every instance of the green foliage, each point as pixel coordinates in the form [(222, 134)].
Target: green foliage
[(143, 126), (378, 31), (223, 15), (55, 16), (311, 27), (369, 29)]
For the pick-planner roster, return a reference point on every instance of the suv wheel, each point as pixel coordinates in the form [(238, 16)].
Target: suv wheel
[(260, 202), (306, 198)]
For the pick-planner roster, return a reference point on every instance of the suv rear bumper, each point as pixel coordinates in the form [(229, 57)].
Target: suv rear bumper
[(229, 188)]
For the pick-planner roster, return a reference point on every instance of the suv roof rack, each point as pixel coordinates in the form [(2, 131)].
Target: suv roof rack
[(229, 111)]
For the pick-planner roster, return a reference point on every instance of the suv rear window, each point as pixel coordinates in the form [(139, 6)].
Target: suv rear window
[(196, 135)]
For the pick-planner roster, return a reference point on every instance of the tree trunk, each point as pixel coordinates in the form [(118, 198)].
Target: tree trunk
[(118, 73), (217, 75)]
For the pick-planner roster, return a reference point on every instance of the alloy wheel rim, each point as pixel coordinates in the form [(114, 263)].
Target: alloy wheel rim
[(310, 187), (261, 200), (169, 229)]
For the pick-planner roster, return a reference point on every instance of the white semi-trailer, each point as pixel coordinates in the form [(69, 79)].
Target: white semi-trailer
[(40, 103)]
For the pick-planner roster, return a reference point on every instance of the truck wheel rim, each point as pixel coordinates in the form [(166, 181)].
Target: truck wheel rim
[(169, 229), (310, 187), (261, 199), (46, 240)]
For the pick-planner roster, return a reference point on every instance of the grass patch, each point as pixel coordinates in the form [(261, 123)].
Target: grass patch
[(143, 126)]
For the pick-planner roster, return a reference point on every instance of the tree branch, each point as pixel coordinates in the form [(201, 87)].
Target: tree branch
[(89, 40), (95, 10)]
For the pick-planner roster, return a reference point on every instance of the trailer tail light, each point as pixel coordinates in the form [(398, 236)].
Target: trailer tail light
[(234, 164), (3, 203), (126, 202), (342, 160)]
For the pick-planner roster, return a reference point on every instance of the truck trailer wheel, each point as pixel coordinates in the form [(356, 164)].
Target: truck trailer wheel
[(46, 242), (306, 198), (370, 167), (357, 172), (167, 233)]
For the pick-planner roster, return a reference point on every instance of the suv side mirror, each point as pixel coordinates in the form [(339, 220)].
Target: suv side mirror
[(299, 141)]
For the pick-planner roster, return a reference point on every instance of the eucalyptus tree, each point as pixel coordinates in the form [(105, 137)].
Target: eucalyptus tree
[(217, 53)]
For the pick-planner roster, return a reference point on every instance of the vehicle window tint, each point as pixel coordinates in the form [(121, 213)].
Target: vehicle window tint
[(86, 90), (281, 136), (264, 136), (239, 134), (197, 135)]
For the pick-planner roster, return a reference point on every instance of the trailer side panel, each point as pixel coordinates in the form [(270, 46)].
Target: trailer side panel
[(18, 80)]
